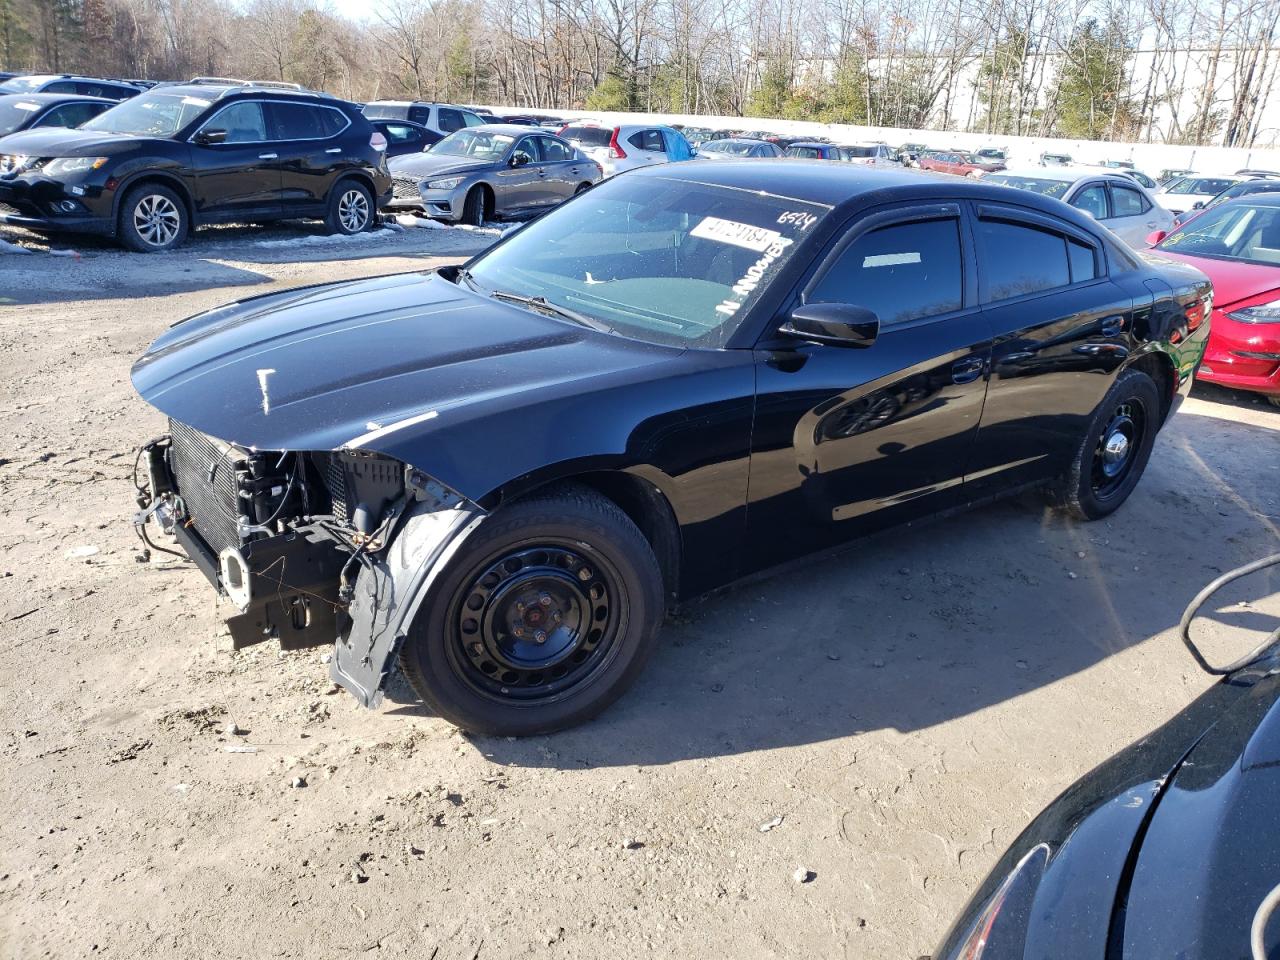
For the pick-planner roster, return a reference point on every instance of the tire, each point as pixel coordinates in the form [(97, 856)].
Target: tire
[(581, 188), (1274, 400), (1113, 453), (152, 219), (350, 208), (473, 208), (567, 559)]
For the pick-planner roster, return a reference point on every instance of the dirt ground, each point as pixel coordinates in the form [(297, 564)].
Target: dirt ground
[(904, 709)]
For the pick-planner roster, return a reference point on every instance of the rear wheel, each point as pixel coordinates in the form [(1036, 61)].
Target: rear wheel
[(1114, 450), (350, 208), (1274, 401), (545, 617), (582, 188), (153, 219)]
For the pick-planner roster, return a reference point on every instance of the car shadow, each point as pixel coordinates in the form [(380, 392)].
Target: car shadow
[(933, 622)]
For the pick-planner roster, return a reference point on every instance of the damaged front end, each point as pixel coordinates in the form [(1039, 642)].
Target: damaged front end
[(310, 547)]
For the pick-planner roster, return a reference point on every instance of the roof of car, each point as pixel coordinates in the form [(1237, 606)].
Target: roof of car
[(811, 143), (1265, 198), (1065, 174), (851, 185), (511, 129), (211, 89)]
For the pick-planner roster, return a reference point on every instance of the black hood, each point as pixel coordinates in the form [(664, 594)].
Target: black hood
[(394, 364), (66, 142), (424, 165)]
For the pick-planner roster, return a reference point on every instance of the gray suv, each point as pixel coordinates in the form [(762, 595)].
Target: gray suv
[(490, 172)]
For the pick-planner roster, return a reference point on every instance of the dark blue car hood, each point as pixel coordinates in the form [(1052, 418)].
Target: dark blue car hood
[(323, 367), (65, 142)]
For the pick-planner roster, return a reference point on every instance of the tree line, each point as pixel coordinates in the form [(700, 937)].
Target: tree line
[(1175, 71)]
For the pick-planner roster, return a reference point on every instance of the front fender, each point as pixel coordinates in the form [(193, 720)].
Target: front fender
[(389, 590)]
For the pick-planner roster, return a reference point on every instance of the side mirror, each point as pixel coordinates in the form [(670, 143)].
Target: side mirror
[(1198, 205), (519, 159), (209, 137), (1156, 236), (835, 324)]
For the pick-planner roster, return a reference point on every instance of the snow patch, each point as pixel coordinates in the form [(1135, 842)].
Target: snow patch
[(7, 247), (314, 240)]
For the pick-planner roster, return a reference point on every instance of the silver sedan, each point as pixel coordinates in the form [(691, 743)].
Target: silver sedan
[(490, 172)]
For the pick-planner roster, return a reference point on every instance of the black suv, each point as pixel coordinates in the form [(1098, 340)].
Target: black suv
[(208, 151), (66, 83)]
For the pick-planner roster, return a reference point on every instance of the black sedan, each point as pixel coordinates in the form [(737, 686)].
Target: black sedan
[(26, 112), (1167, 850), (503, 474)]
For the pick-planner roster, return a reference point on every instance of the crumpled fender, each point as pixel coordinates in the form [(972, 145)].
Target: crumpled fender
[(389, 590)]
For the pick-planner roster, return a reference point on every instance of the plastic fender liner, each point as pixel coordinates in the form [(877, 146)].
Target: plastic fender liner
[(390, 589)]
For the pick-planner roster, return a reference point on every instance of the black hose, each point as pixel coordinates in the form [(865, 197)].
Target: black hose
[(1194, 607)]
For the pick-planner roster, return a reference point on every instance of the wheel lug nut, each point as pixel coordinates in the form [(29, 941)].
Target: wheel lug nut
[(584, 573), (556, 616), (518, 631), (545, 600), (519, 607), (477, 649), (540, 636)]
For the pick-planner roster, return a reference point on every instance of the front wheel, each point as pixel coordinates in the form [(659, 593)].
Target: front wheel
[(350, 208), (1114, 451), (545, 617), (153, 219)]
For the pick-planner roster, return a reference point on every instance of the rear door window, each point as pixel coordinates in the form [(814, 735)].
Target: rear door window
[(588, 136), (902, 272), (304, 121), (1017, 259), (647, 140), (451, 120), (1128, 202), (554, 151)]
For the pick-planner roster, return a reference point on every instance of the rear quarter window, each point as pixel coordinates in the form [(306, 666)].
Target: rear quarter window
[(1017, 259), (588, 136)]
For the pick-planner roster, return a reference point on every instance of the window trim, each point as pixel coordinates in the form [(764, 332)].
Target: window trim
[(1147, 204), (267, 123), (1021, 216), (876, 219)]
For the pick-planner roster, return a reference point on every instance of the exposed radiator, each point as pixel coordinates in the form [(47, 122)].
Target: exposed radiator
[(204, 471)]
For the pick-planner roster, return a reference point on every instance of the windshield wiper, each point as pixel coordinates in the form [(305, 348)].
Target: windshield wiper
[(546, 306)]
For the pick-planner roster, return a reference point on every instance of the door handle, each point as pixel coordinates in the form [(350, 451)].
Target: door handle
[(268, 156), (334, 150), (1112, 326), (967, 370)]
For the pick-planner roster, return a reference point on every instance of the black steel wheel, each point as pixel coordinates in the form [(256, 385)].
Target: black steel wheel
[(539, 618), (1117, 447), (547, 613), (1113, 453)]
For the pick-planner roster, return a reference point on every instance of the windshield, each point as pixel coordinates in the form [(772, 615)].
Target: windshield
[(151, 115), (665, 261), (478, 145), (14, 112), (804, 153), (1199, 185), (859, 152), (1040, 185), (1232, 231), (23, 84)]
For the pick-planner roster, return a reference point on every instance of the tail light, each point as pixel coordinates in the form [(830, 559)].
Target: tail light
[(615, 149), (378, 141)]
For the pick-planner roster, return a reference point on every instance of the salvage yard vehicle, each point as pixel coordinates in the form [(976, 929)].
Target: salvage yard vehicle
[(1183, 193), (1237, 244), (813, 150), (501, 475), (491, 172), (405, 136), (959, 163), (1113, 199), (208, 151), (1168, 849), (25, 112), (629, 146), (738, 148), (439, 118), (67, 83)]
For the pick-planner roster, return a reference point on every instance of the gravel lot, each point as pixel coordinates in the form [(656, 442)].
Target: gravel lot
[(904, 709)]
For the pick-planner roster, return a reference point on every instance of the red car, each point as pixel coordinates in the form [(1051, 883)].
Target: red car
[(1238, 245), (961, 164)]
